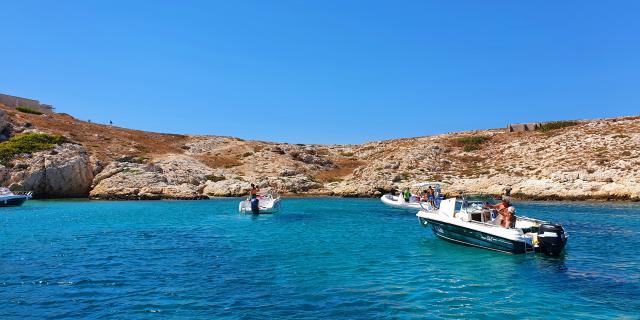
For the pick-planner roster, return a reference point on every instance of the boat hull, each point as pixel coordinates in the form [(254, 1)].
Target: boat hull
[(270, 208), (392, 201), (475, 238), (13, 201)]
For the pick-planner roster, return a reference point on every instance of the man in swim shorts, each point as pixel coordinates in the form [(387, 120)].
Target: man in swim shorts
[(505, 209)]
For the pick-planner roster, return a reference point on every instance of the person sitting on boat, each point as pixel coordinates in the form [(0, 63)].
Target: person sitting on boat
[(254, 191), (424, 196), (406, 195)]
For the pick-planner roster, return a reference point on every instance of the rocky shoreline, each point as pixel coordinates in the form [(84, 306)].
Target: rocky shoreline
[(590, 160)]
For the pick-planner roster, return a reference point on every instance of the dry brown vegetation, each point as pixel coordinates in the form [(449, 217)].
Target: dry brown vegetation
[(470, 143), (105, 142), (587, 146), (219, 161), (344, 167)]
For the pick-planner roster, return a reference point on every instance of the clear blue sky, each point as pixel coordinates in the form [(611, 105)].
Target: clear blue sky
[(323, 71)]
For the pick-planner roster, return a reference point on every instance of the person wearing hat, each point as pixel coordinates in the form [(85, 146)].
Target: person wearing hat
[(510, 219)]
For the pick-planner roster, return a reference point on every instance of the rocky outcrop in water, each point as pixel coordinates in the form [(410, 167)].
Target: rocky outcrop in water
[(171, 177), (62, 172)]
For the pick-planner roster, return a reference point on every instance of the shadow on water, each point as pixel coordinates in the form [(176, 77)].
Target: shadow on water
[(259, 216), (294, 217)]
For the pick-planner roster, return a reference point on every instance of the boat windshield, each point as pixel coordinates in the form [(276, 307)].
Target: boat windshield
[(425, 185), (475, 202), (481, 198), (268, 193)]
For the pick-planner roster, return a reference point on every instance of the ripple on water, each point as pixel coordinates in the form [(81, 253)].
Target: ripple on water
[(318, 258)]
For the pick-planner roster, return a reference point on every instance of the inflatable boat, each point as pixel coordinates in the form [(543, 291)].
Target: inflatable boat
[(414, 201)]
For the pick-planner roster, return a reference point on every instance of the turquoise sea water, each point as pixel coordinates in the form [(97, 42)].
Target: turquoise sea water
[(318, 258)]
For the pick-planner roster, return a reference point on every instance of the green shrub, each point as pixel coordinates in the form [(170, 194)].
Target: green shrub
[(471, 143), (472, 140), (470, 148), (28, 110), (214, 178), (546, 127), (132, 170), (27, 143), (133, 159)]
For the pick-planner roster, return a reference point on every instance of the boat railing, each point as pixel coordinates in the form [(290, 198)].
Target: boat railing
[(530, 219), (7, 192), (426, 206), (269, 194)]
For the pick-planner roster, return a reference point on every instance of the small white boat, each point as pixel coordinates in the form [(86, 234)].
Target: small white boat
[(399, 202), (414, 202), (265, 203), (464, 220), (11, 199)]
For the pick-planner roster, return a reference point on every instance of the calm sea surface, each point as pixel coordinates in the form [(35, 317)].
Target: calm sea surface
[(317, 258)]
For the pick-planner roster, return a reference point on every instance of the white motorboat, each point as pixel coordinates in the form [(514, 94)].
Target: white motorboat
[(464, 220), (414, 201), (268, 202), (11, 199)]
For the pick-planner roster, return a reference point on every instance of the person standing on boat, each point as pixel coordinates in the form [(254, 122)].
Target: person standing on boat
[(406, 195), (510, 222), (255, 203), (505, 209), (254, 191), (431, 195)]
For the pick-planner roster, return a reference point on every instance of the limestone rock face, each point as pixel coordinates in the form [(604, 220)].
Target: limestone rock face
[(64, 171), (171, 177), (5, 126), (227, 188), (591, 159), (235, 187)]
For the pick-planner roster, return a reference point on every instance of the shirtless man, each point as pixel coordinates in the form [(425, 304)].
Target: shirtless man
[(505, 209), (431, 196), (254, 191)]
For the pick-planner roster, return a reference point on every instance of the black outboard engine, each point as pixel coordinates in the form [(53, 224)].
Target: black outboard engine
[(552, 239), (255, 209)]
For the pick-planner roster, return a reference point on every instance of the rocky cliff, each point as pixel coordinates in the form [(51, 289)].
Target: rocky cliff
[(595, 159)]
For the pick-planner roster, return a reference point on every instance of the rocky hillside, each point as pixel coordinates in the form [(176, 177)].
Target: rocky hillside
[(598, 159)]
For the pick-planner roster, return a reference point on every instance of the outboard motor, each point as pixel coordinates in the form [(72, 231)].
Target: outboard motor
[(552, 239)]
